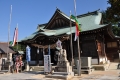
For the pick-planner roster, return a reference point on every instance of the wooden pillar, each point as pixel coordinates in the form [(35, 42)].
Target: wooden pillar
[(43, 55)]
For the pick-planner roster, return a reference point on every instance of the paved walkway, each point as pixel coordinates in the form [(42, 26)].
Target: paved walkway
[(17, 76), (111, 74), (101, 75), (96, 75)]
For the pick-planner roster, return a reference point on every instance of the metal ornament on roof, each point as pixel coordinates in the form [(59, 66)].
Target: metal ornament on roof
[(58, 44)]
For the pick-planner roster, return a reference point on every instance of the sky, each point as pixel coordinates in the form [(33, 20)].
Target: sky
[(29, 13)]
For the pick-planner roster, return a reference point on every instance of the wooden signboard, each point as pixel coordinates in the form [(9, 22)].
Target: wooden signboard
[(47, 63)]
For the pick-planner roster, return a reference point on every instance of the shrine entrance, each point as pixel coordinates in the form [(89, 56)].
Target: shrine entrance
[(54, 57)]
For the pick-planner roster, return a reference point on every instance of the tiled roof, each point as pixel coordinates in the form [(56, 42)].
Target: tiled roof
[(58, 32), (88, 21), (41, 26), (4, 47)]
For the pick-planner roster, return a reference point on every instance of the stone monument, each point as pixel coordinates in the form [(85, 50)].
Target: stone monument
[(63, 70), (63, 64)]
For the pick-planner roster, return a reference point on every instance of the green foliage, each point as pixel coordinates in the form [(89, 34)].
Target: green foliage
[(19, 47), (10, 43), (116, 30), (112, 15), (113, 12), (104, 17)]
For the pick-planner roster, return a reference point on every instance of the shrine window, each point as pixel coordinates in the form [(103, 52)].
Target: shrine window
[(111, 44)]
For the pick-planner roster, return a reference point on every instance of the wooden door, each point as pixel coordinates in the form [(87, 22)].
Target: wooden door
[(101, 51), (89, 49)]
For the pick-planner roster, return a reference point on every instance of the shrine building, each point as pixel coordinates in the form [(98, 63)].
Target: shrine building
[(96, 39)]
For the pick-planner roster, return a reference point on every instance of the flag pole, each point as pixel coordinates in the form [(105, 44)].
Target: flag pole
[(17, 36), (9, 31), (78, 44), (71, 40)]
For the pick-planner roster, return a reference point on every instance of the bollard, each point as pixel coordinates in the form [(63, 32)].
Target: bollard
[(118, 67), (27, 66), (78, 67)]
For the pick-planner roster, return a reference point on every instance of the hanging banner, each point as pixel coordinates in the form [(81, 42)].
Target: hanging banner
[(28, 57), (58, 44), (47, 63)]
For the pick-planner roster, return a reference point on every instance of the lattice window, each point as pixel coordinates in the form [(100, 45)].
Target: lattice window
[(111, 44)]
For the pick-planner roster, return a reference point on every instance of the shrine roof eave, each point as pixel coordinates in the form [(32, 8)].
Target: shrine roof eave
[(62, 31), (117, 37)]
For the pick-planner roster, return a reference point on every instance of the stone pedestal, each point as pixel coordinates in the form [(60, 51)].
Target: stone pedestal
[(8, 62), (9, 57), (63, 68), (27, 67), (63, 64)]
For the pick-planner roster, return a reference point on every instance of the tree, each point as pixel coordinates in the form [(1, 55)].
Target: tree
[(112, 15), (113, 11), (116, 30), (19, 47), (104, 17)]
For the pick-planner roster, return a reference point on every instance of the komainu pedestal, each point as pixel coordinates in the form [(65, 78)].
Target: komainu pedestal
[(63, 70), (63, 65)]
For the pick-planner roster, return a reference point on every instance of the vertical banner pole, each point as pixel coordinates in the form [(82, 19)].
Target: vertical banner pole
[(9, 31), (71, 44), (78, 44)]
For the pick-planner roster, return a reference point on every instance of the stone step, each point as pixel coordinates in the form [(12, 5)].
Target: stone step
[(84, 71), (65, 77), (36, 68), (63, 73), (39, 69), (3, 71), (113, 66)]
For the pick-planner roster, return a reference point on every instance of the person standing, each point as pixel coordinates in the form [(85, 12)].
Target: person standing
[(17, 64)]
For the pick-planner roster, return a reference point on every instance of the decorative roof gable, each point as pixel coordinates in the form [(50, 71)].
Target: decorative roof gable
[(58, 20)]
